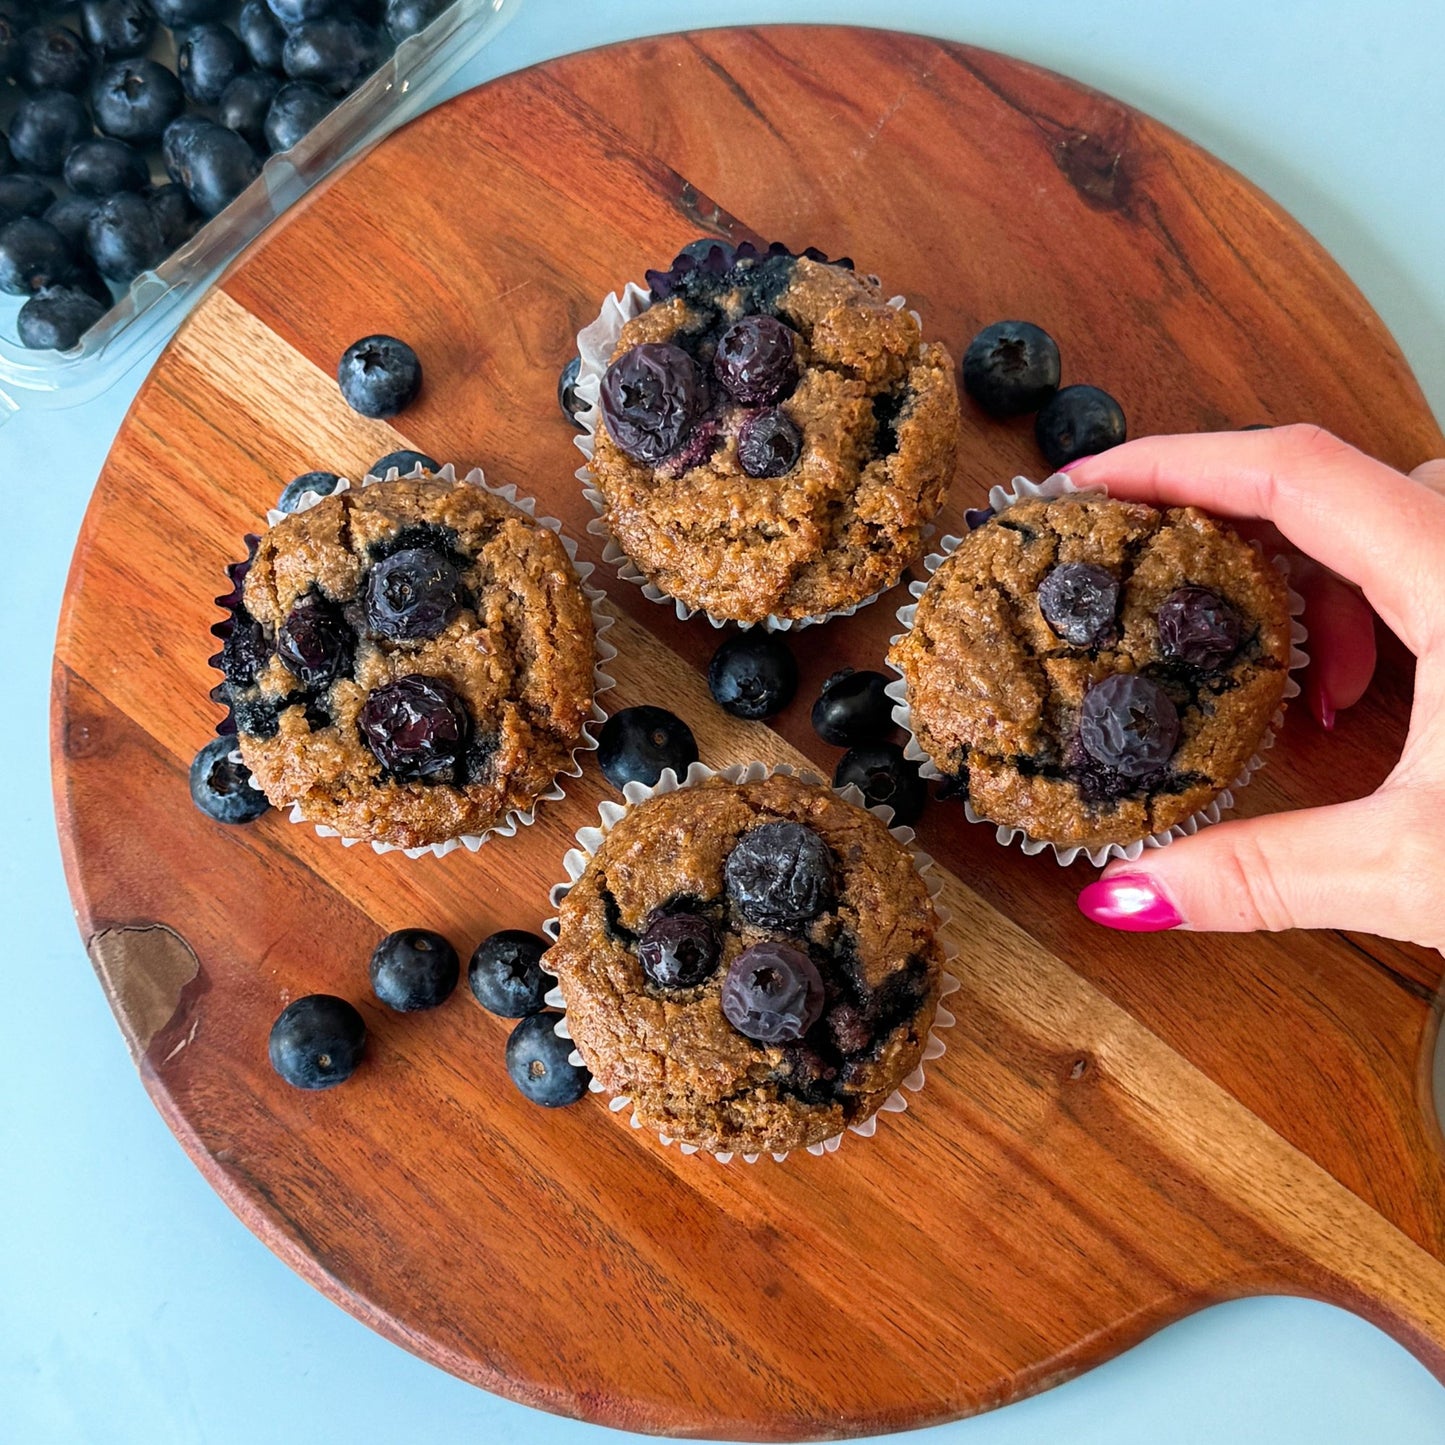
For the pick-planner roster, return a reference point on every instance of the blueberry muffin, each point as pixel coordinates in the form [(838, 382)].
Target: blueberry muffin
[(1093, 671), (754, 964), (773, 436), (408, 662)]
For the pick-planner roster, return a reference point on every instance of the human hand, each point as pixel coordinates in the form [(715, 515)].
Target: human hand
[(1373, 865)]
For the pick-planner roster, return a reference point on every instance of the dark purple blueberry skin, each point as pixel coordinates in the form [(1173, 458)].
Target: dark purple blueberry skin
[(416, 727), (336, 53), (405, 18), (245, 103), (1197, 626), (25, 196), (103, 165), (753, 674), (294, 13), (54, 319), (779, 875), (772, 993), (70, 215), (174, 214), (679, 950), (322, 483), (136, 100), (44, 129), (1079, 602), (33, 255), (412, 594), (317, 1042), (245, 651), (262, 34), (539, 1063), (975, 517), (405, 462), (296, 109), (13, 19), (124, 237), (853, 707), (315, 643), (884, 776), (208, 58), (567, 398), (53, 57), (222, 789), (1011, 367), (217, 166), (651, 399), (756, 361), (1128, 724), (379, 376), (636, 744), (414, 969), (507, 975), (181, 14), (769, 444), (117, 29), (177, 140), (1079, 421)]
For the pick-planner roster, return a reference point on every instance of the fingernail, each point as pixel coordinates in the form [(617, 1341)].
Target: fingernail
[(1320, 705), (1131, 902)]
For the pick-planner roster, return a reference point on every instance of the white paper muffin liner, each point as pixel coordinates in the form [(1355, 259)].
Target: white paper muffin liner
[(595, 344), (601, 679), (1058, 485), (589, 840)]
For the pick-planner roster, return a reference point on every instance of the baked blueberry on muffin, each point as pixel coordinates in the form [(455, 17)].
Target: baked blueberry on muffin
[(772, 436), (754, 964), (409, 662), (1092, 671)]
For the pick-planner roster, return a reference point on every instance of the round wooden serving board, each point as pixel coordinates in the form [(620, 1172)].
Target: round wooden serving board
[(1124, 1128)]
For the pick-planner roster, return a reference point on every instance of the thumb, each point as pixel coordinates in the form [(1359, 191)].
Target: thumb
[(1365, 866)]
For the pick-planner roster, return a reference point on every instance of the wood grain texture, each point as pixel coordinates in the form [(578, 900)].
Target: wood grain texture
[(1124, 1127)]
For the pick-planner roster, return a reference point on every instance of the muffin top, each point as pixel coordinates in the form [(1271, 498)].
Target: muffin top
[(1092, 670), (409, 661), (754, 964), (773, 436)]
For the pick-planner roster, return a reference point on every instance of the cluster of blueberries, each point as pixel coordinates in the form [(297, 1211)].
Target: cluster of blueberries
[(96, 113)]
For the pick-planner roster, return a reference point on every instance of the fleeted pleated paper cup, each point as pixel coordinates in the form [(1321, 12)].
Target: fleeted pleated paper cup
[(591, 840), (603, 652), (1000, 499)]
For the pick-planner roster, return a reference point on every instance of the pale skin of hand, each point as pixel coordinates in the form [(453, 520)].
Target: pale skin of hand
[(1372, 865)]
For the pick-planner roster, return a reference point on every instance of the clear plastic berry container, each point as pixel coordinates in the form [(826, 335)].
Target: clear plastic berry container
[(404, 84)]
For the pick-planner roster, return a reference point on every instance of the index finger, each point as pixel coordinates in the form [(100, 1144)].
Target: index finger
[(1345, 509)]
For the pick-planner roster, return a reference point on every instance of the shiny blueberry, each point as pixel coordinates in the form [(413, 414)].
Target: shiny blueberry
[(780, 874), (245, 103), (853, 708), (651, 398), (405, 463), (883, 775), (245, 651), (405, 18), (177, 139), (296, 108), (1079, 421), (317, 1042), (636, 744), (117, 29), (44, 129), (174, 214), (769, 444), (1196, 625), (679, 950), (208, 58), (314, 642), (70, 215), (24, 196), (124, 237), (507, 976), (756, 361), (1128, 723), (753, 674), (103, 165), (414, 969), (293, 13), (216, 167), (179, 14), (335, 53), (1011, 367), (136, 100), (322, 483), (379, 376), (54, 319), (262, 34), (1079, 602), (412, 594), (539, 1063), (222, 789), (53, 57), (572, 405), (772, 993), (417, 727), (33, 255), (975, 517)]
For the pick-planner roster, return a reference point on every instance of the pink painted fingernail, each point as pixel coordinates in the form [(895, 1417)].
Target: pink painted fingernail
[(1131, 902), (1320, 705)]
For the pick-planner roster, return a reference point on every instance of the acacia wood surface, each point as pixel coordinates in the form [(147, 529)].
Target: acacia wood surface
[(1124, 1128)]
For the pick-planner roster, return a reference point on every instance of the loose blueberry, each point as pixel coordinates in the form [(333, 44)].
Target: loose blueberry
[(1196, 625), (772, 993), (297, 108), (33, 255), (322, 483), (679, 950), (1079, 421), (181, 14), (245, 103), (1079, 602), (315, 643), (1011, 367), (753, 674), (404, 462), (853, 708), (124, 237), (208, 59), (507, 976), (54, 319), (216, 167), (177, 140), (117, 29), (539, 1063), (335, 53), (53, 57), (417, 727), (222, 789), (379, 376), (414, 969), (24, 196), (317, 1042), (780, 875), (412, 594), (651, 398), (136, 100), (769, 444), (405, 18), (883, 775), (262, 34), (174, 214), (637, 743), (1128, 723), (572, 405), (103, 165), (44, 129), (756, 361)]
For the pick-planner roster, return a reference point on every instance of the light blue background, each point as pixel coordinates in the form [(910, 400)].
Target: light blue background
[(133, 1306)]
